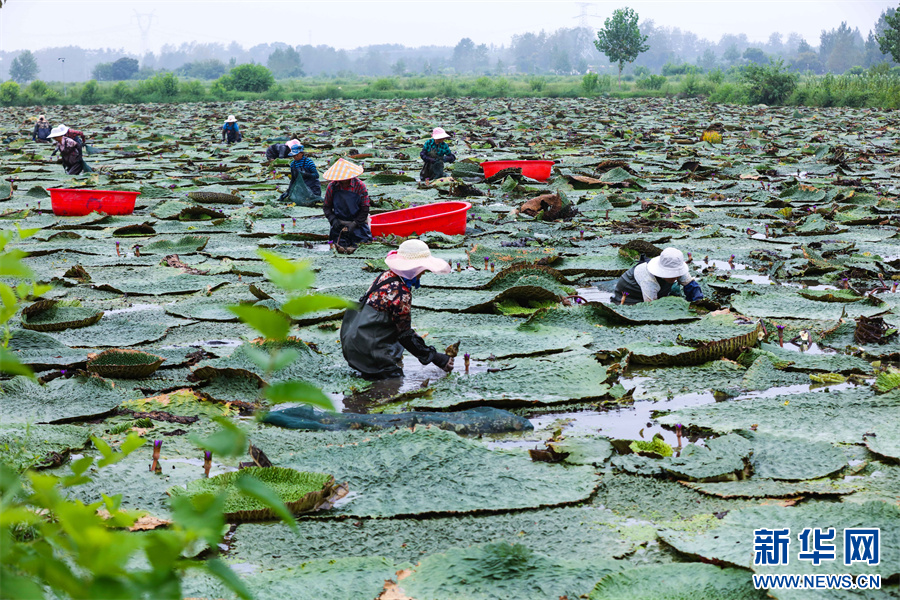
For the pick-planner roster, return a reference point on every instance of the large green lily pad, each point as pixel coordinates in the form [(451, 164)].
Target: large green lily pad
[(431, 471), (502, 570), (840, 416), (692, 581), (59, 401)]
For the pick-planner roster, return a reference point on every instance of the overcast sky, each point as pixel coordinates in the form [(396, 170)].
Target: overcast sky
[(35, 24)]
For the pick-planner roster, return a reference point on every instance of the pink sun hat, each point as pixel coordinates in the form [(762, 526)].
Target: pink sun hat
[(412, 258), (438, 133)]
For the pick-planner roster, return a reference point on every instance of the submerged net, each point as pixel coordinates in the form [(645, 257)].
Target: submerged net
[(475, 420)]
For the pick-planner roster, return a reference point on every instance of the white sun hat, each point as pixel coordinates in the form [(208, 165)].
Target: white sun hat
[(412, 258), (668, 264), (439, 134), (58, 131), (230, 119)]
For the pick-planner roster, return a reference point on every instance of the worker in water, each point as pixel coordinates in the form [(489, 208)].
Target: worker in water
[(373, 338), (69, 150), (303, 166), (280, 150), (346, 205), (655, 278), (434, 154), (231, 131), (41, 131)]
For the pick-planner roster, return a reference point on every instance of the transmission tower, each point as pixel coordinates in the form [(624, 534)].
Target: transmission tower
[(584, 15), (144, 21)]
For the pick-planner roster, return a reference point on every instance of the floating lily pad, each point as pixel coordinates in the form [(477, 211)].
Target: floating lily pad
[(49, 315), (769, 488), (840, 416), (502, 570), (127, 364), (431, 471), (183, 245), (300, 491), (59, 401), (36, 446), (665, 310), (677, 582)]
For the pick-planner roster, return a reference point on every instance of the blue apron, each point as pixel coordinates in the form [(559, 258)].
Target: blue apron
[(346, 205)]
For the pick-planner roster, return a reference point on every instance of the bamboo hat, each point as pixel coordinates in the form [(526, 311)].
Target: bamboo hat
[(343, 169)]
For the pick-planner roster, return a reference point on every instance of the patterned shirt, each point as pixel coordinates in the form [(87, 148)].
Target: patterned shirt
[(441, 148), (304, 164), (394, 298), (356, 186), (68, 150), (649, 285)]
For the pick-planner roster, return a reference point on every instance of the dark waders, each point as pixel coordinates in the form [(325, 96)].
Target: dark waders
[(369, 340), (346, 205)]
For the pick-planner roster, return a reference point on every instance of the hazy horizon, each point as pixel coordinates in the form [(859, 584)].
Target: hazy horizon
[(98, 24)]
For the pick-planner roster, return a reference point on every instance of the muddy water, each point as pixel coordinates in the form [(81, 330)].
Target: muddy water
[(415, 376)]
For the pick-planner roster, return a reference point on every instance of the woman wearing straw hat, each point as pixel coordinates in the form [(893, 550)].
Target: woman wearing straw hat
[(346, 205), (231, 131), (69, 150), (434, 154), (654, 279), (374, 337), (41, 131)]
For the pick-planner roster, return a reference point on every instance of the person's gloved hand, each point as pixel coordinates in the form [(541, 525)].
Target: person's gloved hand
[(442, 361), (692, 292), (348, 225)]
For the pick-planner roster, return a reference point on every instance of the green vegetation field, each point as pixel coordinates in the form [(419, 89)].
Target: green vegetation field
[(674, 430)]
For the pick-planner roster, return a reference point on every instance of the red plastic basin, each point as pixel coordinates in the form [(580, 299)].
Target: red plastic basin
[(443, 217), (536, 169), (77, 203)]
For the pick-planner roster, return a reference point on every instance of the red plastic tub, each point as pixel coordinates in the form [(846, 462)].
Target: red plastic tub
[(77, 203), (536, 169), (444, 217)]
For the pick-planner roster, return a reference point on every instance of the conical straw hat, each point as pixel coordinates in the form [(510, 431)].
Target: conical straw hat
[(341, 170)]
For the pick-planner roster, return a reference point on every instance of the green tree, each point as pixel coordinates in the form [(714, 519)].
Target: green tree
[(90, 93), (755, 55), (248, 78), (285, 63), (620, 39), (124, 68), (24, 67), (9, 92), (889, 40)]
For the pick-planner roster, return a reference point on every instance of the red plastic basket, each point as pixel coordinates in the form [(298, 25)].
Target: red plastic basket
[(444, 217), (77, 203), (536, 169)]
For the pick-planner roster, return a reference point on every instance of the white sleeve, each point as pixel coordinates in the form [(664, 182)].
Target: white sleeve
[(648, 283), (685, 279)]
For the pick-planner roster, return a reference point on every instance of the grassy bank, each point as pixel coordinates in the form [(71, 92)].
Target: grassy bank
[(879, 89)]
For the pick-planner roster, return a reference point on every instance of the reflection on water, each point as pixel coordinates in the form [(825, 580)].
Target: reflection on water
[(416, 376)]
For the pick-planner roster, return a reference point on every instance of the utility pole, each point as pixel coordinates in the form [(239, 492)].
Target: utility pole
[(63, 60)]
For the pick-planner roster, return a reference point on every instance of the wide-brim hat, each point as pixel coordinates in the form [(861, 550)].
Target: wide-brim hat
[(343, 169), (41, 118), (58, 131), (670, 263), (295, 149), (413, 257), (230, 119), (438, 133)]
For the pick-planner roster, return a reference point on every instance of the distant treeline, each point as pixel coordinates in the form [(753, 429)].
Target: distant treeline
[(568, 51)]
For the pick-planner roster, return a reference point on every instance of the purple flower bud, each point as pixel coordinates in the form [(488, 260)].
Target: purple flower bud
[(62, 371), (678, 426), (466, 356), (157, 444), (207, 455), (780, 327)]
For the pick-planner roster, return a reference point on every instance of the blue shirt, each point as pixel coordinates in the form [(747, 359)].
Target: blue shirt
[(304, 164), (232, 126)]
